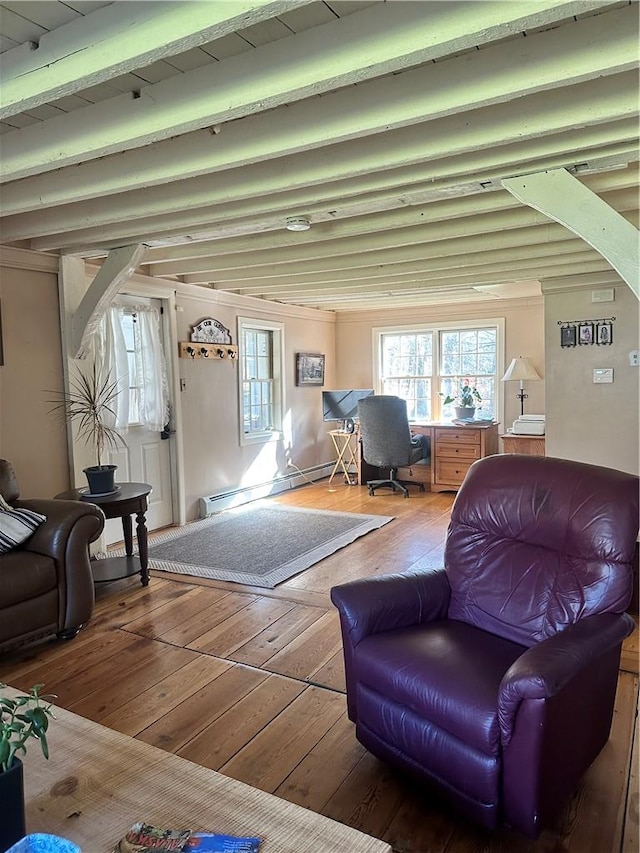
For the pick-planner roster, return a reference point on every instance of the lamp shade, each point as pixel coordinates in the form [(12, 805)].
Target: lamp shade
[(521, 368)]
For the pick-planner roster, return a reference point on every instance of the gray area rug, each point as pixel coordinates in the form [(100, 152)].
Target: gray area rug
[(260, 543)]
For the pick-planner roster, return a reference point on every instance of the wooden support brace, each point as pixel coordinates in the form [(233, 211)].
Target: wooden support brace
[(565, 199)]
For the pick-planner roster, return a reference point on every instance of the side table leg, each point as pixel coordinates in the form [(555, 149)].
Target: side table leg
[(141, 533), (127, 529)]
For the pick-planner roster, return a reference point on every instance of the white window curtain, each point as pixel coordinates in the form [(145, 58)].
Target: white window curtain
[(152, 371), (110, 352), (150, 365)]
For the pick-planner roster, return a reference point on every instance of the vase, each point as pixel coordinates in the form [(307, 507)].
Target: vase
[(12, 825), (463, 413), (100, 478)]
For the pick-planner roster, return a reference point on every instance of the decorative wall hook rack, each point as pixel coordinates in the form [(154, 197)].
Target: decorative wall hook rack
[(214, 352), (209, 339)]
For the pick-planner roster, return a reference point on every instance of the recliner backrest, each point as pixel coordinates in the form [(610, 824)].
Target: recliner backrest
[(534, 544), (384, 429)]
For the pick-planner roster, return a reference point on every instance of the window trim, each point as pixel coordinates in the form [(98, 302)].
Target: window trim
[(436, 328), (277, 433)]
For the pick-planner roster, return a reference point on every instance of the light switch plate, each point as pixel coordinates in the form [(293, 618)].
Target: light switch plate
[(603, 374)]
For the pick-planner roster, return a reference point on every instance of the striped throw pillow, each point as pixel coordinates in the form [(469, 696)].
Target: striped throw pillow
[(16, 525)]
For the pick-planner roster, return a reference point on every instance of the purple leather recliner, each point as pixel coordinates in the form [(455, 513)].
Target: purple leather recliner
[(494, 678)]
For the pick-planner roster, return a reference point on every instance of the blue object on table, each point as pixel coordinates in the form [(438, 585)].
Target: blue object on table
[(42, 842)]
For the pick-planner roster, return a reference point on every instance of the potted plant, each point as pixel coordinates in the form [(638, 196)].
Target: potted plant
[(466, 403), (21, 717), (89, 403)]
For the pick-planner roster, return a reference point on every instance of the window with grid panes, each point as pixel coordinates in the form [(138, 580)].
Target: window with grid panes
[(132, 343), (261, 391), (424, 366)]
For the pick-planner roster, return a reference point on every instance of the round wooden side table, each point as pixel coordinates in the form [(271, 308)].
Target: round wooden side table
[(129, 499)]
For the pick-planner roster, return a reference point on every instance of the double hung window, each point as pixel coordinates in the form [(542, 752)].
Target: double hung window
[(261, 401), (425, 365)]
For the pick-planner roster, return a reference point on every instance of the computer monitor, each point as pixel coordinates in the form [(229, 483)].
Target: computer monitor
[(342, 405)]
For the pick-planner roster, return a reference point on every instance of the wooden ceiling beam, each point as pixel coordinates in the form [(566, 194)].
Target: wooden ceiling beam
[(114, 217), (266, 247), (569, 55), (116, 39)]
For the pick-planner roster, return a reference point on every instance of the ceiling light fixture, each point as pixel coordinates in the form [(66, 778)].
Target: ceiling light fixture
[(298, 223)]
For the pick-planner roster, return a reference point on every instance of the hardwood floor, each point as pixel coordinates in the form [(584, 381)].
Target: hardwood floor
[(250, 682)]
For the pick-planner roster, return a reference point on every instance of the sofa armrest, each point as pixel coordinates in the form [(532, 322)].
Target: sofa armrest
[(544, 669), (376, 604), (52, 536)]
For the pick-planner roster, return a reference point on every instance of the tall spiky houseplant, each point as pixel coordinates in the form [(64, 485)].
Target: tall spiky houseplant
[(89, 404)]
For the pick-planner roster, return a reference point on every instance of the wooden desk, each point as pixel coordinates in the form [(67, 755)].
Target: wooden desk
[(453, 449), (99, 782), (131, 499), (531, 445)]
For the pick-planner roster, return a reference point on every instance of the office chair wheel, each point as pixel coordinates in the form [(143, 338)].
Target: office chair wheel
[(371, 492)]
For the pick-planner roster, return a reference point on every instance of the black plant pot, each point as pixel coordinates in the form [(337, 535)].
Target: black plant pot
[(12, 824), (100, 478)]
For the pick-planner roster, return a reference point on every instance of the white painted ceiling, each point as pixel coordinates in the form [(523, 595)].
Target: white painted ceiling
[(198, 128)]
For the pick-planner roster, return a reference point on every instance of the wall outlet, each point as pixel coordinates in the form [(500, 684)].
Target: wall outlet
[(603, 374), (634, 358)]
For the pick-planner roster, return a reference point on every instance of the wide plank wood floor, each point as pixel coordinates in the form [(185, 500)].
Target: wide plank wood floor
[(250, 682)]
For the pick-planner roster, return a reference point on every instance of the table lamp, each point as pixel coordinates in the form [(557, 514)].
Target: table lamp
[(521, 368)]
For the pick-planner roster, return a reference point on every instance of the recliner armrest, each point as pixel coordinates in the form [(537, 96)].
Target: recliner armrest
[(376, 604), (544, 669), (52, 536)]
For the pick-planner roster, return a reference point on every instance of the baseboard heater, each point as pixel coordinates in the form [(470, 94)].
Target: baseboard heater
[(236, 497)]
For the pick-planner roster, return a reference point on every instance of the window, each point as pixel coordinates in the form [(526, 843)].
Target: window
[(261, 402), (132, 344), (425, 365)]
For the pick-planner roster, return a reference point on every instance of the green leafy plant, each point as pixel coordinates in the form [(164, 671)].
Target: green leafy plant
[(468, 397), (21, 718), (89, 403)]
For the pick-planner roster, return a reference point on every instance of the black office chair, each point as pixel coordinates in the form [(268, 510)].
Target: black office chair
[(386, 440)]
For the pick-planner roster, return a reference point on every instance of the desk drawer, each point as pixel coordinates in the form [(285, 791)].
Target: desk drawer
[(451, 472), (459, 436), (447, 450)]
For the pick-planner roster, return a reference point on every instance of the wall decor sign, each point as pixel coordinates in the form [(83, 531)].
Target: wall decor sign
[(210, 331), (586, 332), (309, 368)]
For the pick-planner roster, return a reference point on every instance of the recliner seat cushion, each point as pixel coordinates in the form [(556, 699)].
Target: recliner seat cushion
[(446, 672)]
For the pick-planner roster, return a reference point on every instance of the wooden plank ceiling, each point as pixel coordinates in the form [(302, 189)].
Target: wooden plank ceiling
[(198, 128)]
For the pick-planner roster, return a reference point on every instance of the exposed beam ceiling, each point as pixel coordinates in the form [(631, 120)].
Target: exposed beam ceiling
[(390, 126)]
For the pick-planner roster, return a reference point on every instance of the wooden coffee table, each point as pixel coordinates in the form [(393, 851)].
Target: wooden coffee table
[(98, 782)]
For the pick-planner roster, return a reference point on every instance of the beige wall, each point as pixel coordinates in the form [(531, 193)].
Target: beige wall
[(215, 460), (524, 335), (32, 439), (585, 421)]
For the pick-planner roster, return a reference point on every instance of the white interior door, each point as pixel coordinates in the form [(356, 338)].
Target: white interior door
[(147, 456)]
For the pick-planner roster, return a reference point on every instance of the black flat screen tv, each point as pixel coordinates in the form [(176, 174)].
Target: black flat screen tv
[(342, 405)]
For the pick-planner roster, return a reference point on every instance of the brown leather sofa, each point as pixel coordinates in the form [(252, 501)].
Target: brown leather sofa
[(46, 585)]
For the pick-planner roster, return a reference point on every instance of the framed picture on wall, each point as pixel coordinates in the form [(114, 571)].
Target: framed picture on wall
[(568, 336), (604, 334), (585, 333), (309, 368)]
